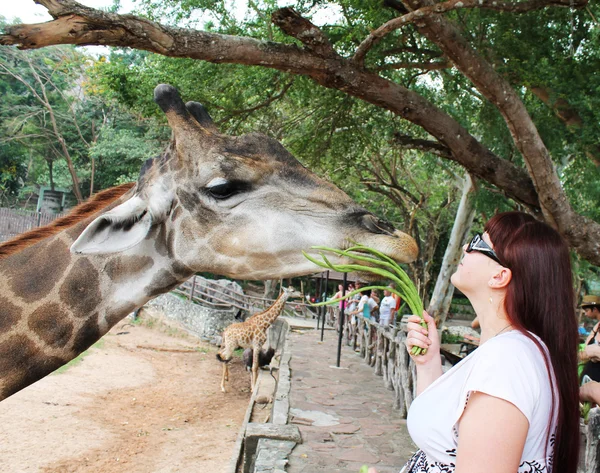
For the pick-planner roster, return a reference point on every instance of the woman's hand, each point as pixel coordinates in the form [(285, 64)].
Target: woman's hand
[(590, 392), (422, 337), (591, 352)]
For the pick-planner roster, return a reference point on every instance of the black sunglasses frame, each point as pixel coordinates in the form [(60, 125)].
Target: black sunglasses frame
[(478, 244)]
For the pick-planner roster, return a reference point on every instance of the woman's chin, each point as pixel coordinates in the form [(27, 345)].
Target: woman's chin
[(454, 279)]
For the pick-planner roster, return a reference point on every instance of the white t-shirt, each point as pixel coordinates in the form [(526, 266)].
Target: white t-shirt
[(385, 308), (509, 367), (363, 300)]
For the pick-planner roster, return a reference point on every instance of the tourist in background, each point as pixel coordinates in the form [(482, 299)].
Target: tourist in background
[(591, 354), (386, 306), (373, 303), (398, 300)]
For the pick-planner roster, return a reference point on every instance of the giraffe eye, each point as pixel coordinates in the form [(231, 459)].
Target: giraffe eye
[(222, 189)]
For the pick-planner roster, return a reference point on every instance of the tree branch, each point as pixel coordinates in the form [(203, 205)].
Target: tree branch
[(408, 142), (263, 104), (428, 66), (84, 26), (292, 24), (439, 8), (582, 233), (568, 115), (75, 24)]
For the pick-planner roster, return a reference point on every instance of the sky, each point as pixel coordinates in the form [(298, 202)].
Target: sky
[(30, 12)]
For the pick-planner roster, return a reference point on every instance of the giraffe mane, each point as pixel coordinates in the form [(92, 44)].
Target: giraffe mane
[(79, 213)]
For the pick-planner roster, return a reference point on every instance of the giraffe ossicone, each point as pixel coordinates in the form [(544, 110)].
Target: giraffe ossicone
[(238, 206)]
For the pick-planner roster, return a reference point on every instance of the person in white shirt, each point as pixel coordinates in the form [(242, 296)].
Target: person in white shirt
[(511, 405), (386, 306)]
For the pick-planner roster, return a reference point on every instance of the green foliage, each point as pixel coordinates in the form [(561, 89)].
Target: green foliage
[(448, 337), (552, 53), (50, 87), (120, 152)]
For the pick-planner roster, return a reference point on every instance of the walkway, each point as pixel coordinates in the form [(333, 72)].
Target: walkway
[(344, 414)]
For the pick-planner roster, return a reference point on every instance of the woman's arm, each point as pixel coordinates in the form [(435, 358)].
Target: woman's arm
[(491, 436)]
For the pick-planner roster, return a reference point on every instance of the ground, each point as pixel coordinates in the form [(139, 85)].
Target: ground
[(146, 398)]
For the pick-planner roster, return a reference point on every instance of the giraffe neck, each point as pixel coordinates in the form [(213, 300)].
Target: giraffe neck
[(268, 316), (54, 305)]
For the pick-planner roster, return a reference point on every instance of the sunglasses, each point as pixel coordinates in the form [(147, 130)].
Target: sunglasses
[(478, 244)]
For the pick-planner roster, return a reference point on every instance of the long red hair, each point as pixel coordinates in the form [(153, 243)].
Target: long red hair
[(540, 300)]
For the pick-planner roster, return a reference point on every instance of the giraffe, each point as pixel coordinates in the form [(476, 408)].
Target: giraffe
[(238, 206), (251, 333)]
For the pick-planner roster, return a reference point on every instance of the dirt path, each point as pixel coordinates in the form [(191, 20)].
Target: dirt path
[(145, 399)]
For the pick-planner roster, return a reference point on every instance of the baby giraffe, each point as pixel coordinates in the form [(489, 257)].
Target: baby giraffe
[(251, 334)]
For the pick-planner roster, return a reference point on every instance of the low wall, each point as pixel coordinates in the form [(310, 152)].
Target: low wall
[(264, 447), (207, 324)]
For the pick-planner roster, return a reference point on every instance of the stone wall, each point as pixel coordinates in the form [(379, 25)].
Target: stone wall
[(207, 324)]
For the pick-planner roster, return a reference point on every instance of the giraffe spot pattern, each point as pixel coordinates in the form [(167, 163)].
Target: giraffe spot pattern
[(22, 363), (36, 269), (123, 267), (9, 314), (113, 315), (78, 229), (189, 200), (162, 282), (176, 213), (181, 270), (51, 324), (160, 241), (80, 291), (88, 334)]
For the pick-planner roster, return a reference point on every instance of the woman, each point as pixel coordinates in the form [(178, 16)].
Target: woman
[(512, 405)]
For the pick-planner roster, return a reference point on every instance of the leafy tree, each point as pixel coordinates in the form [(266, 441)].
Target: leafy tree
[(489, 85)]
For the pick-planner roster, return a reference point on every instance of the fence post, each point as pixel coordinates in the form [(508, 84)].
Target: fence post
[(592, 456), (193, 288), (323, 298), (341, 321)]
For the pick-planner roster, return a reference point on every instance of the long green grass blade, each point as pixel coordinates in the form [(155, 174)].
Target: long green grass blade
[(383, 266)]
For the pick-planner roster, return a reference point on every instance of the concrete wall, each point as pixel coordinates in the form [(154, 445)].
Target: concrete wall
[(207, 324)]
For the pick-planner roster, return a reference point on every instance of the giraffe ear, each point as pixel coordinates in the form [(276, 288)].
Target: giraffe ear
[(117, 230)]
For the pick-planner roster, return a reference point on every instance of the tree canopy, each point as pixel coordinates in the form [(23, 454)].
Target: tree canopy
[(504, 90)]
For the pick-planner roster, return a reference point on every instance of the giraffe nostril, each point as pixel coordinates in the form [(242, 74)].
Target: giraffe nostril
[(377, 225)]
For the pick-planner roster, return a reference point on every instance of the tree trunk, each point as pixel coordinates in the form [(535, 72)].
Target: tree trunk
[(442, 294), (92, 176), (270, 286), (50, 174)]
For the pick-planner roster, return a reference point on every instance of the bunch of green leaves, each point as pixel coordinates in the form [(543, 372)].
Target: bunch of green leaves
[(378, 264), (584, 410)]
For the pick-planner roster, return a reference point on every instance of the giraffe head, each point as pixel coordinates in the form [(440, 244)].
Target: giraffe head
[(293, 293), (242, 207)]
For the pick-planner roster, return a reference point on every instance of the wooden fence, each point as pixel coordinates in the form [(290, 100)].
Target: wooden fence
[(213, 295), (15, 221), (384, 349)]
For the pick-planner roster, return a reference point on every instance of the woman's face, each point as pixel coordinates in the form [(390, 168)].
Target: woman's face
[(474, 270)]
